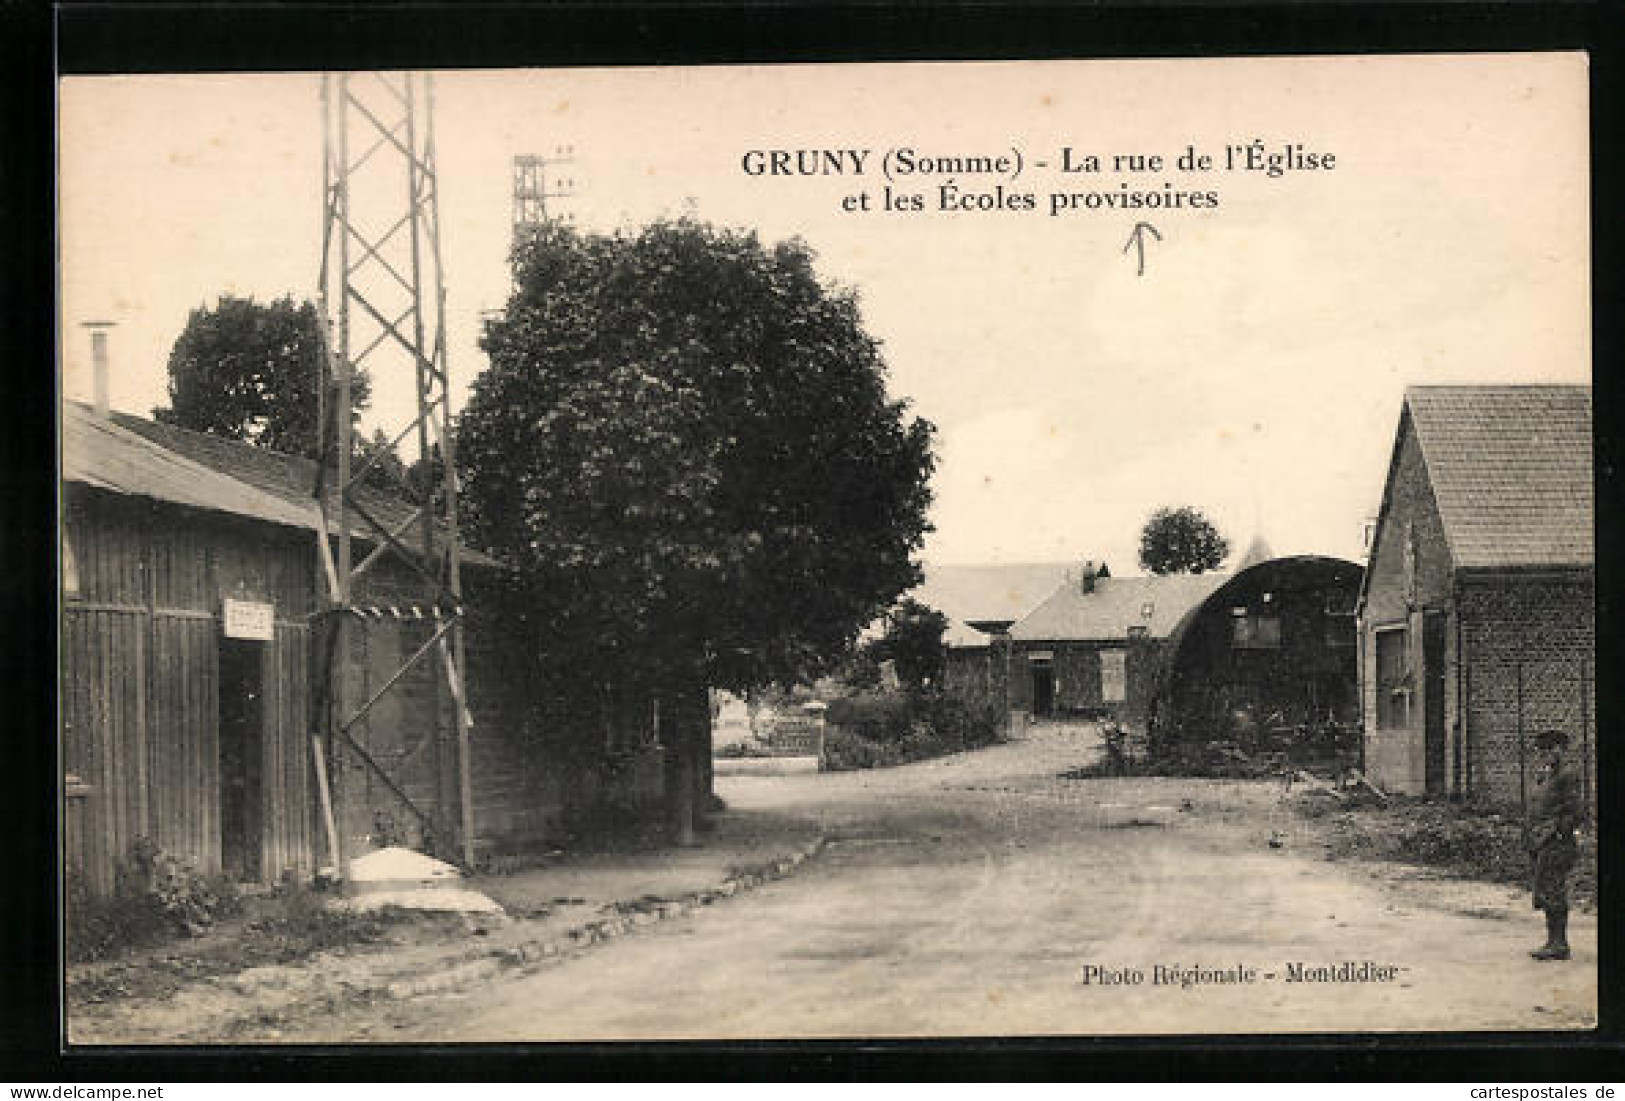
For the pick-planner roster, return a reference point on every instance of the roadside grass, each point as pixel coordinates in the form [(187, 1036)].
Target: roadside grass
[(277, 930), (1463, 840)]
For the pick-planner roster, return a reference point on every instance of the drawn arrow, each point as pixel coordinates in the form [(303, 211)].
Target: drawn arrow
[(1137, 239)]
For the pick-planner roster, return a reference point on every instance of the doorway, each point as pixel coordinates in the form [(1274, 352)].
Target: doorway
[(1043, 690), (1433, 702), (242, 734)]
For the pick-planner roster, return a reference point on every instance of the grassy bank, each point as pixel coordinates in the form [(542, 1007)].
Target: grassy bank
[(1463, 840)]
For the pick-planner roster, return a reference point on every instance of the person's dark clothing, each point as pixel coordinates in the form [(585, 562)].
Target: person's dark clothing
[(1558, 812)]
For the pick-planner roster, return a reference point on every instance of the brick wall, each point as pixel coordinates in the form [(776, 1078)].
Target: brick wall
[(1530, 639), (1076, 670)]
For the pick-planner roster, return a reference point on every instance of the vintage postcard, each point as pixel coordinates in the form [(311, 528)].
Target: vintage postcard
[(1068, 548)]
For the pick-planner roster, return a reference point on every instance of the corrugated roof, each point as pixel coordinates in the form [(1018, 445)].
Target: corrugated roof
[(982, 593), (101, 453), (1511, 470), (244, 479), (1115, 605)]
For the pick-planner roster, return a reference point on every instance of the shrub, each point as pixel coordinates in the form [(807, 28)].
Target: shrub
[(878, 716), (736, 750), (844, 751), (305, 924), (155, 895), (189, 900), (874, 729)]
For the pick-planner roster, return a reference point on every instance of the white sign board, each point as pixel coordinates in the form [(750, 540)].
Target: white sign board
[(250, 619), (1113, 675)]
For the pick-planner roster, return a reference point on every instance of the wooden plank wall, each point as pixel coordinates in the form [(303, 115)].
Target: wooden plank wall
[(140, 683)]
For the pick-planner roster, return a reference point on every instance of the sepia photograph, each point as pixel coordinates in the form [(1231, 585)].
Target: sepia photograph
[(857, 551)]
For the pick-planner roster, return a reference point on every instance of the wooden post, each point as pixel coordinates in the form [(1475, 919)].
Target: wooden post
[(327, 802)]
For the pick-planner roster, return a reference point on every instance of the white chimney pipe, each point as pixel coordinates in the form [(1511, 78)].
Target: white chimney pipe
[(98, 363)]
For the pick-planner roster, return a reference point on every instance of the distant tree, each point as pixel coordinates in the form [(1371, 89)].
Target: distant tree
[(381, 467), (684, 444), (912, 642), (1181, 540), (251, 372)]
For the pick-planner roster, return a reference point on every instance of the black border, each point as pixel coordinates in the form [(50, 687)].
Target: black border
[(36, 41)]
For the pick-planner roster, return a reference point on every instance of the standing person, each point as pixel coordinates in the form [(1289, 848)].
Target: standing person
[(1554, 823)]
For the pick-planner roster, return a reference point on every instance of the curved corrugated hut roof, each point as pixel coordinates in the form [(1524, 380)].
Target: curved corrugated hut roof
[(1288, 569)]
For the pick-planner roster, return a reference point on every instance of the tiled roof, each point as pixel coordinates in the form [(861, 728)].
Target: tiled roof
[(987, 593), (100, 453), (1115, 605), (130, 454), (1511, 470)]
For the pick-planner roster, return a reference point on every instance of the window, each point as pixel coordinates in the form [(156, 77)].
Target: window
[(1113, 676), (1254, 631), (1393, 679)]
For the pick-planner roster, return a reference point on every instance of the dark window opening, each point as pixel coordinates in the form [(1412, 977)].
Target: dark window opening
[(1256, 632), (1393, 680)]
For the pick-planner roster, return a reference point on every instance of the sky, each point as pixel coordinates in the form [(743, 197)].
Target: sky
[(1254, 368)]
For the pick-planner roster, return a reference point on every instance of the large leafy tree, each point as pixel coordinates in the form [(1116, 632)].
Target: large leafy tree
[(250, 371), (1181, 540), (685, 445), (912, 642)]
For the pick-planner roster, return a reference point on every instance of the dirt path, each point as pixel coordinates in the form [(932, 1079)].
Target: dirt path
[(969, 896)]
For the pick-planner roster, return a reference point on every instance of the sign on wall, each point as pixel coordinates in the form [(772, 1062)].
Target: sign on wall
[(250, 619), (1113, 676)]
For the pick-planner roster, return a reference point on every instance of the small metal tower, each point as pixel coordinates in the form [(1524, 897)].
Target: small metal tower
[(536, 180), (383, 308)]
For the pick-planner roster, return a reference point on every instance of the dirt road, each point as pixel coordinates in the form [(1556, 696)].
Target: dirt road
[(987, 894)]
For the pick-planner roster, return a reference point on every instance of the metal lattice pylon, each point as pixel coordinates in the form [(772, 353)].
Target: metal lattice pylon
[(383, 309), (536, 180)]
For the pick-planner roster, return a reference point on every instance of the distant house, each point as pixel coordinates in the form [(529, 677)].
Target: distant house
[(981, 602), (1094, 646), (188, 666), (1476, 617)]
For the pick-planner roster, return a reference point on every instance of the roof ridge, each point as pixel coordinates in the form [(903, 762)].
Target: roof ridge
[(1417, 387)]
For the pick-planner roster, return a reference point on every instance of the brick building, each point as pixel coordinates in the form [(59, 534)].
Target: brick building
[(1094, 648), (1477, 612), (982, 602)]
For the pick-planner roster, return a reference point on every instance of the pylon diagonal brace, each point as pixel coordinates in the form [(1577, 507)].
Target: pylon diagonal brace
[(378, 143), (389, 781), (406, 667), (387, 131), (360, 475), (405, 553), (383, 548), (372, 248), (383, 333), (411, 349), (398, 92)]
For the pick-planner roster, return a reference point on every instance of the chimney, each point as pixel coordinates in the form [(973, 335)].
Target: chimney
[(1086, 577), (98, 363)]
